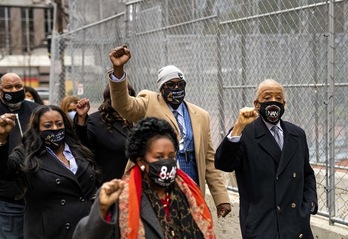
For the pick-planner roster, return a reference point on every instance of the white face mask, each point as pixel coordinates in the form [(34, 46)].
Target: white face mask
[(72, 114), (31, 100)]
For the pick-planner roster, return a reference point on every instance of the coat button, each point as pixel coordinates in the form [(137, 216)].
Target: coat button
[(293, 205), (62, 202), (57, 181), (82, 199), (278, 208), (67, 226), (300, 236), (91, 177), (277, 178), (294, 175)]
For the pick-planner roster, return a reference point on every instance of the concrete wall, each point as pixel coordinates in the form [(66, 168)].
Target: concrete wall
[(228, 228)]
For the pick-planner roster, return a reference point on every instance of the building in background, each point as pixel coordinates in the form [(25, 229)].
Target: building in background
[(25, 28)]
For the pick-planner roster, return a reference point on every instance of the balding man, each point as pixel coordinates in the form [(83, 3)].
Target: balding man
[(270, 156), (12, 101)]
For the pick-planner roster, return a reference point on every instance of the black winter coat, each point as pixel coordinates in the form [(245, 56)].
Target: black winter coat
[(56, 199), (108, 145), (8, 189), (275, 186)]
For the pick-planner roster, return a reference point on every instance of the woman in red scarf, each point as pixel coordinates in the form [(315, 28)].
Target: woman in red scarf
[(154, 199)]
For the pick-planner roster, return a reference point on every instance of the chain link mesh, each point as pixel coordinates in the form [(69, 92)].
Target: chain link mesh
[(225, 48)]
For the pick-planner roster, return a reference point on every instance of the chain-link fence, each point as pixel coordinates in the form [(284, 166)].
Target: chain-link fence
[(225, 48)]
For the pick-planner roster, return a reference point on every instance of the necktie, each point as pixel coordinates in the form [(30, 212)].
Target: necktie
[(277, 136), (175, 113)]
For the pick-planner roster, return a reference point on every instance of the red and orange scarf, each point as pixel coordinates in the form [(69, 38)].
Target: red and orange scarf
[(130, 223)]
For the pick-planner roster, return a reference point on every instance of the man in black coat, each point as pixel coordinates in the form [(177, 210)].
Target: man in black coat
[(270, 156), (12, 101)]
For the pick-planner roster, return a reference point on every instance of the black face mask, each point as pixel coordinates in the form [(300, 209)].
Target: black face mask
[(163, 172), (271, 111), (53, 138), (13, 97), (174, 97)]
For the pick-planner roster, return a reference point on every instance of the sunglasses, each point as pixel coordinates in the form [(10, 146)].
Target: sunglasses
[(172, 85)]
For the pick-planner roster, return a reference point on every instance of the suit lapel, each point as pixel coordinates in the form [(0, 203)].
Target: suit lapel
[(289, 149), (196, 131), (52, 164), (169, 115), (119, 128), (148, 215), (82, 166), (266, 140)]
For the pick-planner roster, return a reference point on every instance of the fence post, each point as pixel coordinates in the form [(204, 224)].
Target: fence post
[(331, 109)]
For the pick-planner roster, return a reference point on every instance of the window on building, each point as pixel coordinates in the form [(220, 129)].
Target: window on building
[(4, 29), (27, 20), (48, 21)]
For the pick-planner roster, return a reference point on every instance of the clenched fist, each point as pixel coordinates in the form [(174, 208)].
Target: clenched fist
[(7, 123), (109, 193), (223, 209), (119, 56), (246, 116)]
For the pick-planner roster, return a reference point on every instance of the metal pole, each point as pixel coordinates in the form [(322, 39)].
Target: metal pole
[(61, 50), (220, 86), (27, 33), (243, 59), (331, 108)]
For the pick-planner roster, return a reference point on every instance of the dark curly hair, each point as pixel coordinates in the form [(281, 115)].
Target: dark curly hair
[(108, 114), (144, 132)]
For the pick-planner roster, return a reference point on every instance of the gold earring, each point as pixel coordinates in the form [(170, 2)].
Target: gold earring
[(142, 168)]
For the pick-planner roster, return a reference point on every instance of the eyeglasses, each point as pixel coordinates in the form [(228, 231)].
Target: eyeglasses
[(172, 84)]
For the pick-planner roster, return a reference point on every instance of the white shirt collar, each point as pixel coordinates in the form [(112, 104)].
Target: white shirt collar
[(179, 109), (269, 126)]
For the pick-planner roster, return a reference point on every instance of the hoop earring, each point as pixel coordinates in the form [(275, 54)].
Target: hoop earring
[(142, 168)]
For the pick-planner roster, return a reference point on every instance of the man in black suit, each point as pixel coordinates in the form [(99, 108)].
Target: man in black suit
[(270, 156), (12, 101)]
